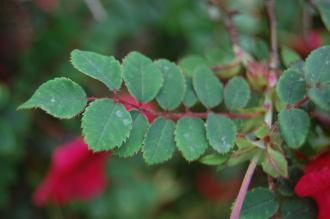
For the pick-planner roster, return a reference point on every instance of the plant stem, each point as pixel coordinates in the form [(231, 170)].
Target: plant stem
[(273, 73), (230, 26), (269, 107), (274, 57), (244, 187), (178, 115), (299, 103)]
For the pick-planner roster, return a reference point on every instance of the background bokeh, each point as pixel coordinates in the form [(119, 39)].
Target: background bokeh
[(36, 38)]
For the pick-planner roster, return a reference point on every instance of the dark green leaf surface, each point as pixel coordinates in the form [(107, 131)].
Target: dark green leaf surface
[(259, 203), (103, 68), (135, 140), (142, 77), (317, 67), (214, 159), (189, 64), (321, 96), (291, 86), (299, 208), (174, 87), (190, 137), (105, 125), (60, 97), (190, 97), (221, 132), (294, 126), (237, 93), (159, 144), (208, 88)]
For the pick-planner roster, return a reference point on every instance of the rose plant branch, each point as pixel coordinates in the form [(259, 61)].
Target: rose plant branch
[(238, 121), (178, 115)]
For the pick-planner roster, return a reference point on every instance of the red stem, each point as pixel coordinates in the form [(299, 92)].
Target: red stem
[(176, 116), (299, 103), (230, 26)]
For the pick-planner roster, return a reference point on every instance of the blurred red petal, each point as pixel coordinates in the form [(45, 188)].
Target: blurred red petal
[(209, 186), (75, 173), (313, 183), (316, 184)]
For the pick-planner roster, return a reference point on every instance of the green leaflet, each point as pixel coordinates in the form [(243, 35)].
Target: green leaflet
[(321, 96), (190, 97), (317, 70), (220, 56), (259, 203), (135, 140), (317, 66), (223, 57), (159, 144), (294, 126), (208, 88), (105, 125), (289, 56), (291, 86), (60, 97), (242, 155), (190, 138), (142, 77), (172, 93), (275, 163), (237, 93), (302, 208), (214, 159), (324, 8), (103, 68), (190, 63), (221, 132)]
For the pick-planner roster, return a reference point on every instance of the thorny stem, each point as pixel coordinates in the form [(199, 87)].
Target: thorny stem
[(230, 26), (273, 72), (273, 61), (176, 116), (244, 187)]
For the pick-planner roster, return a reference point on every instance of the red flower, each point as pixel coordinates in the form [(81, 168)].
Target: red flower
[(214, 189), (316, 184), (131, 102), (305, 46), (75, 173)]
